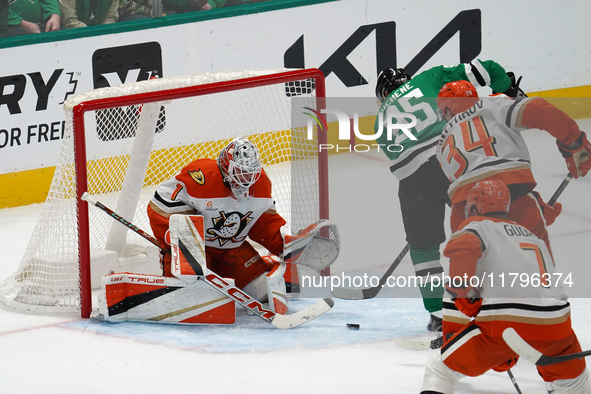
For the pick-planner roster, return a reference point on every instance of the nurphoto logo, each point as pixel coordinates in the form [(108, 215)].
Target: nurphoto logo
[(393, 123)]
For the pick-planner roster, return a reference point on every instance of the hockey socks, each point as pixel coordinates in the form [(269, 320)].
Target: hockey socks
[(426, 264)]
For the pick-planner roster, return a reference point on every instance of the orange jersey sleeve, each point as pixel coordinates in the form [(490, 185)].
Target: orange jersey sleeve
[(463, 250), (267, 232), (540, 114)]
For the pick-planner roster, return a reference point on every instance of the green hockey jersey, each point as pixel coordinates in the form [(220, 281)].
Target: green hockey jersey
[(418, 97)]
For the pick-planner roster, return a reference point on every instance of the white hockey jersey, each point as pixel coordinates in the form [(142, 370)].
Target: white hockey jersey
[(482, 142), (513, 272), (199, 189), (485, 141)]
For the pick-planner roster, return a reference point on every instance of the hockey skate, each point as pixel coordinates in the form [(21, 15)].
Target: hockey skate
[(435, 324)]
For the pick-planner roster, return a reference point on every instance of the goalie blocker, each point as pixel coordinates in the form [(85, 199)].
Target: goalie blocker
[(186, 299)]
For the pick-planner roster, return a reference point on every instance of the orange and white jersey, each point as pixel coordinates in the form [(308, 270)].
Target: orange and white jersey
[(485, 141), (199, 189), (514, 274)]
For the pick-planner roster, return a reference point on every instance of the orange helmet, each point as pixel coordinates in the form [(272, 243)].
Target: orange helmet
[(488, 196), (456, 97)]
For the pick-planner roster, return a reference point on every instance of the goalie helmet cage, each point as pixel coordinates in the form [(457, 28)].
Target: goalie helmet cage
[(121, 142)]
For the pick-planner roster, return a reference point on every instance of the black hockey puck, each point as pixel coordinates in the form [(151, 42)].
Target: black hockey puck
[(353, 326)]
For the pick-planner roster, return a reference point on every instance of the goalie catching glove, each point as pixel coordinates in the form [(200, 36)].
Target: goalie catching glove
[(317, 246), (577, 155)]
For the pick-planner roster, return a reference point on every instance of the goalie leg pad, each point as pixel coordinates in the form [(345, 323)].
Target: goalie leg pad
[(257, 288), (276, 291), (187, 246), (158, 299), (291, 276)]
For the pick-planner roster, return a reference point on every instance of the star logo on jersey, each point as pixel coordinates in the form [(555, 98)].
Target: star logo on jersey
[(197, 176), (227, 227)]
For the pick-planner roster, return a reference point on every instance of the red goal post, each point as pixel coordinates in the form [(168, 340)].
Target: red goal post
[(150, 129)]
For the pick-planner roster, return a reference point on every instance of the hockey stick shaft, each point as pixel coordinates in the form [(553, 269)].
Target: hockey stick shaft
[(371, 292), (86, 197), (229, 290), (514, 381), (560, 189), (525, 350)]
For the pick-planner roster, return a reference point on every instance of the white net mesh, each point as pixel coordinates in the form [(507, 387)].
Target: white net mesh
[(48, 278)]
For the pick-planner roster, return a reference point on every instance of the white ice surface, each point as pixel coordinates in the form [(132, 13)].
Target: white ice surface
[(49, 354)]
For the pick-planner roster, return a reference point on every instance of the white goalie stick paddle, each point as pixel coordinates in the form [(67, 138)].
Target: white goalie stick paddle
[(525, 350), (231, 291), (347, 293)]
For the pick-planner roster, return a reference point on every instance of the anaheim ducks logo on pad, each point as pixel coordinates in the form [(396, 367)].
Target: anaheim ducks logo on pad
[(197, 176), (227, 227)]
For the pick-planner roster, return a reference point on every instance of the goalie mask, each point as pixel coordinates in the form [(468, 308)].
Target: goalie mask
[(240, 165), (487, 197), (456, 97), (389, 80)]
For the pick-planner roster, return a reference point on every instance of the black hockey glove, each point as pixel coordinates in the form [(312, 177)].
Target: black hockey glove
[(514, 90)]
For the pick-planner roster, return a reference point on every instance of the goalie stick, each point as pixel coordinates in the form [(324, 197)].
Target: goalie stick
[(229, 290), (363, 294), (525, 350)]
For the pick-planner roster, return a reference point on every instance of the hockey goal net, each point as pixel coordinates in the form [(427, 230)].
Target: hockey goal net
[(121, 142)]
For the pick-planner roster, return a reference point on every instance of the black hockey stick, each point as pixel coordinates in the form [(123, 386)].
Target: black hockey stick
[(228, 289), (560, 189), (525, 350), (514, 381), (347, 293)]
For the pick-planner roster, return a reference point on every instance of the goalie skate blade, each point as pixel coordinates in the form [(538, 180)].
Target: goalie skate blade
[(285, 322), (521, 347)]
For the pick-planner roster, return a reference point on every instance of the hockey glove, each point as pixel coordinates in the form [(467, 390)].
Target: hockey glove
[(467, 300), (507, 365), (514, 90), (576, 155), (550, 212)]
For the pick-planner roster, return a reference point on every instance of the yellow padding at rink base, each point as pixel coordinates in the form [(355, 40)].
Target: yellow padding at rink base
[(32, 186), (575, 102)]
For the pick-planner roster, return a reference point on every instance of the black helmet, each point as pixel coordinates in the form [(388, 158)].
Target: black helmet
[(389, 80)]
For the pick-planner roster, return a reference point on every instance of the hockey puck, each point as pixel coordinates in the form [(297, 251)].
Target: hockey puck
[(353, 326)]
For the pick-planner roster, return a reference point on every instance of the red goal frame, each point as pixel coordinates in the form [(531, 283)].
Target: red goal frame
[(79, 111)]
